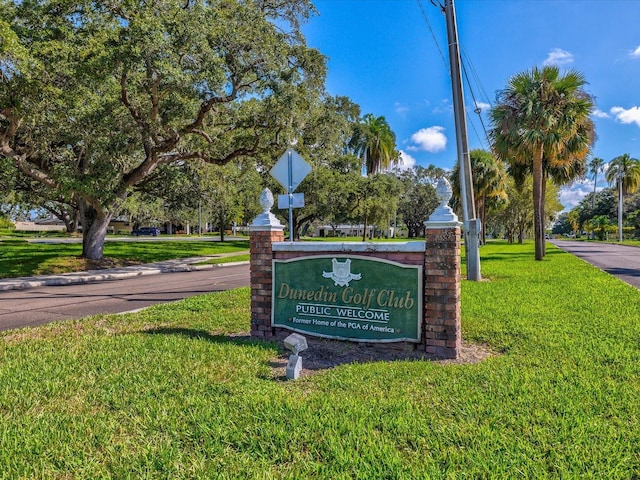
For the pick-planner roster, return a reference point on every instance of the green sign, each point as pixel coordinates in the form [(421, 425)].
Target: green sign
[(348, 297)]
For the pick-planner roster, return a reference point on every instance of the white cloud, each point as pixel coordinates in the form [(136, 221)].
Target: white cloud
[(483, 106), (444, 107), (635, 53), (631, 115), (400, 109), (600, 114), (430, 139), (406, 161), (571, 195), (558, 57)]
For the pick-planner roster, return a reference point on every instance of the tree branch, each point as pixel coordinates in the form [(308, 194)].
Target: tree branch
[(144, 126), (239, 152), (30, 171), (8, 133), (152, 78)]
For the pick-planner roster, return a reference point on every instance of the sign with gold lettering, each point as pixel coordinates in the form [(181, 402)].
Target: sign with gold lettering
[(348, 297)]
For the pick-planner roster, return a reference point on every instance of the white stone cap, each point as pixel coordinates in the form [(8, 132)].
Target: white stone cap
[(266, 221), (433, 225), (267, 227), (444, 213), (349, 247)]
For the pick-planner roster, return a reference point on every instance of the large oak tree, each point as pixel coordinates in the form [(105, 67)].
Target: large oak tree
[(95, 96)]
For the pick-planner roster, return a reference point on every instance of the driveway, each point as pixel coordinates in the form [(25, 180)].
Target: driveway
[(622, 261)]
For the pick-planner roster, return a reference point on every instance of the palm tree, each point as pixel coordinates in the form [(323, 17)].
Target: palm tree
[(489, 182), (542, 117), (626, 167), (573, 220), (595, 167), (375, 143), (624, 171)]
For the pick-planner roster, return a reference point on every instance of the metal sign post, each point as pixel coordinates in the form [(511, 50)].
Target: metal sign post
[(289, 171), (290, 193)]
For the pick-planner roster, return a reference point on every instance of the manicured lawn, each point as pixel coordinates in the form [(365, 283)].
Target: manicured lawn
[(177, 391), (19, 258)]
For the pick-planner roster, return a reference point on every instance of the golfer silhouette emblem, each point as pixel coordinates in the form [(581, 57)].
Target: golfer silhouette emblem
[(341, 273)]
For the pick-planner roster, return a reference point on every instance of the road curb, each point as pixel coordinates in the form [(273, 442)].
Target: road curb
[(24, 283)]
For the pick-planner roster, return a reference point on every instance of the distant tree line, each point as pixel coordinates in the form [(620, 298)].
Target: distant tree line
[(597, 215)]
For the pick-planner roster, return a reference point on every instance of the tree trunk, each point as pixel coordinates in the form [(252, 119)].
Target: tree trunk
[(538, 205), (71, 222), (294, 228), (364, 230), (94, 232), (543, 215), (221, 227), (481, 213)]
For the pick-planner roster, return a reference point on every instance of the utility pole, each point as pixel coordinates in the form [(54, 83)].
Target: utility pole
[(472, 226), (620, 178)]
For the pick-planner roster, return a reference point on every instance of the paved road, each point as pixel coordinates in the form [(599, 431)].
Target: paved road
[(39, 305), (623, 261)]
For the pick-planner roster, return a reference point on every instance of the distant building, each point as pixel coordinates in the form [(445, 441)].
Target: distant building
[(343, 231), (50, 224)]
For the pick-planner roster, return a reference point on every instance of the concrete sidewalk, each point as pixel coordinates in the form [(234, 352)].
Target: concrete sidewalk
[(167, 266)]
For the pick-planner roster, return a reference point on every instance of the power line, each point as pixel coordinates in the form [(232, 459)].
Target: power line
[(476, 77), (476, 109), (433, 35), (437, 4)]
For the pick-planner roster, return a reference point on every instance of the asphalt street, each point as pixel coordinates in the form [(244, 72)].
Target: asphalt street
[(622, 261), (132, 290)]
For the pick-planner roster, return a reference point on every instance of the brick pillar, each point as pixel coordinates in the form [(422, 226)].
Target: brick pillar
[(443, 335), (442, 291), (263, 232)]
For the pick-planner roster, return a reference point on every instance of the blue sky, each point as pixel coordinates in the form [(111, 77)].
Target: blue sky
[(384, 56)]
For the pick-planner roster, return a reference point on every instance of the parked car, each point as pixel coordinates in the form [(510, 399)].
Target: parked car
[(155, 231)]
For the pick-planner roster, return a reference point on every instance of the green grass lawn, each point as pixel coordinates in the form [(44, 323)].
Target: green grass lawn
[(178, 391), (19, 258)]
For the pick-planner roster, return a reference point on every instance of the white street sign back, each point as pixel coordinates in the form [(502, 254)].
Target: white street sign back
[(299, 170), (297, 200)]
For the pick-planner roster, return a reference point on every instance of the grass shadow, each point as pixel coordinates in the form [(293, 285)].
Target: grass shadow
[(323, 354), (241, 339), (499, 257)]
